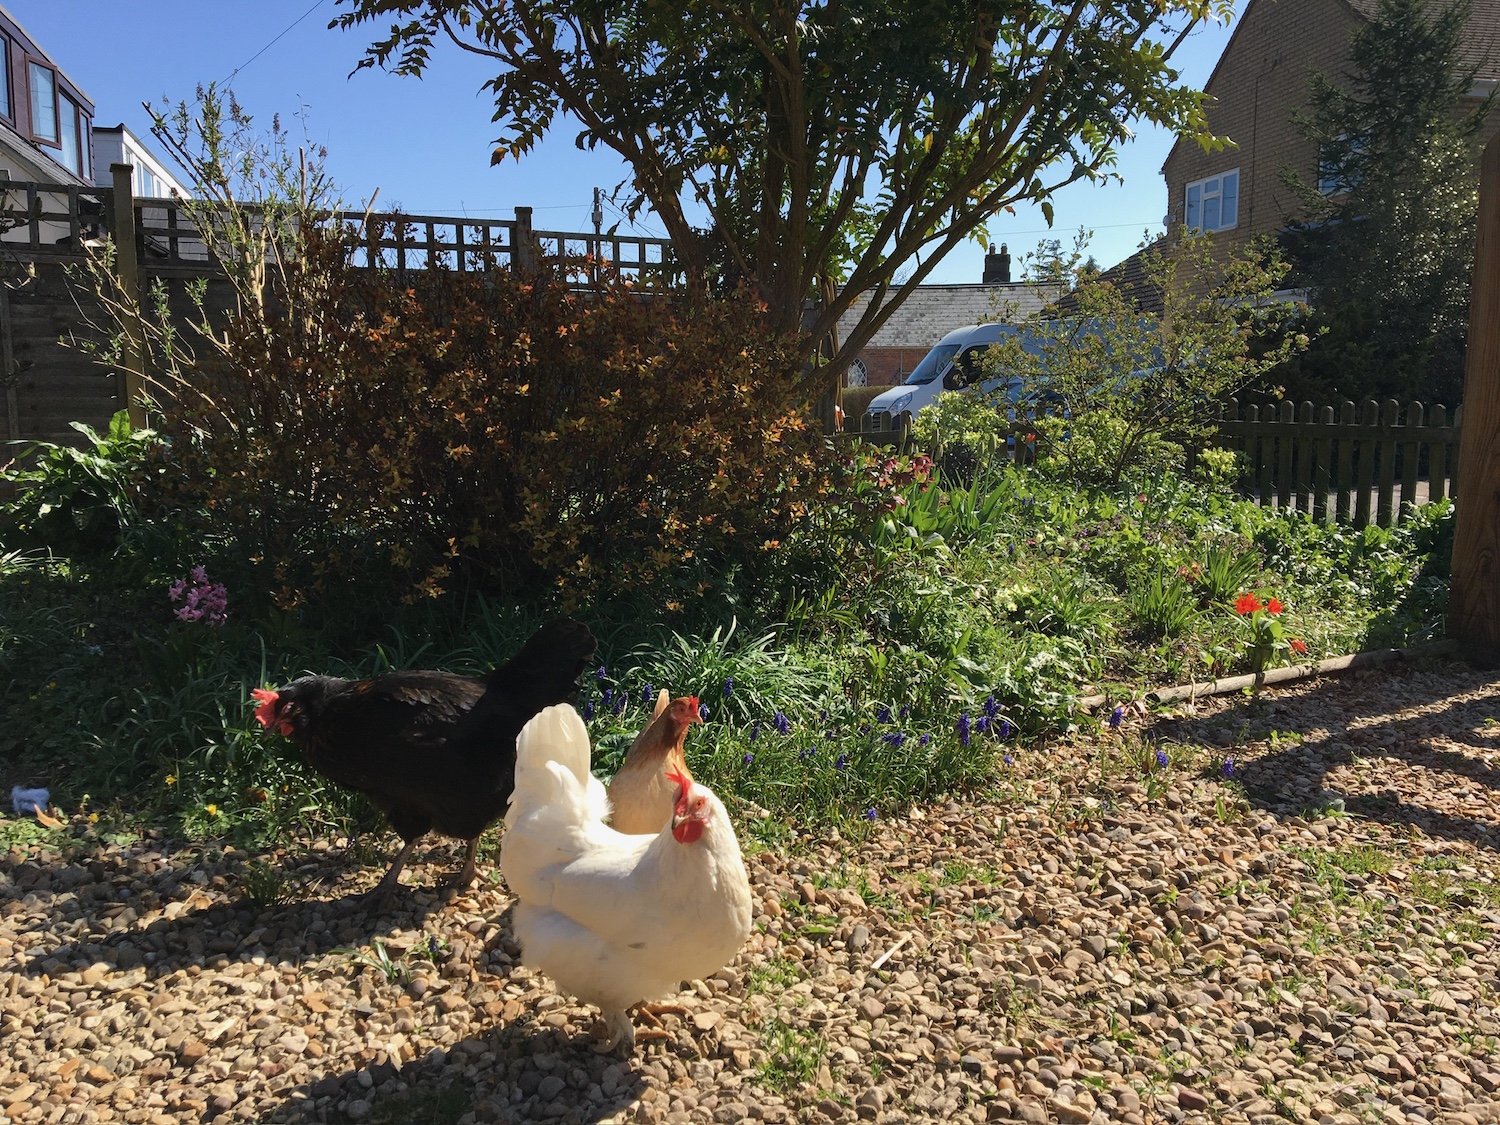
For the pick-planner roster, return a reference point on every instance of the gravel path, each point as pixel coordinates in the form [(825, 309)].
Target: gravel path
[(1100, 939)]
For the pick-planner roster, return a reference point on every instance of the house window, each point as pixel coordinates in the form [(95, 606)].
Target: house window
[(70, 158), (5, 77), (1213, 203), (1335, 173), (43, 102)]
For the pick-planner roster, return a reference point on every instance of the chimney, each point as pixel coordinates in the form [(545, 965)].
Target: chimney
[(997, 266)]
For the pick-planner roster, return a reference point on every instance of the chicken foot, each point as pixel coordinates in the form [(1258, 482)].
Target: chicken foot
[(465, 878), (392, 879), (651, 1011), (621, 1033)]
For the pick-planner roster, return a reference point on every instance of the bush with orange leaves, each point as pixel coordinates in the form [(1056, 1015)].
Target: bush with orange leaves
[(486, 431)]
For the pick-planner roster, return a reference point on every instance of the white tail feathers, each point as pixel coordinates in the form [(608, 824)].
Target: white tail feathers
[(555, 737)]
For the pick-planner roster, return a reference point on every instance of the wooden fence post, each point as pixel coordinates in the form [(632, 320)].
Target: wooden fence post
[(127, 274), (1474, 588), (523, 249)]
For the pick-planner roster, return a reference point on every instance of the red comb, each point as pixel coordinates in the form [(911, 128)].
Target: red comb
[(265, 714), (682, 780)]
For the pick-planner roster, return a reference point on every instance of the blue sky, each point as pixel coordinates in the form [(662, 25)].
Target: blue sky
[(426, 145)]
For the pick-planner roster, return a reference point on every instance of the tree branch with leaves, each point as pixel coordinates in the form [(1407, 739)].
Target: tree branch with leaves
[(823, 139)]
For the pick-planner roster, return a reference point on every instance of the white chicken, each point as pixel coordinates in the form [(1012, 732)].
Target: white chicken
[(616, 920)]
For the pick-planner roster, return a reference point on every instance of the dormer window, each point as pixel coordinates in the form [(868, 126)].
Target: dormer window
[(5, 77), (1213, 203), (43, 102)]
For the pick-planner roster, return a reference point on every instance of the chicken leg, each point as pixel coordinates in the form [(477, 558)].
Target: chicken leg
[(465, 878), (392, 879)]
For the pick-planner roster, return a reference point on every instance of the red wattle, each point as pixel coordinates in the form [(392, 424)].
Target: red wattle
[(687, 831)]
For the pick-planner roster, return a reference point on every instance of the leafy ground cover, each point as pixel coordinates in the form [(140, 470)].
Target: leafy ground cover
[(927, 648)]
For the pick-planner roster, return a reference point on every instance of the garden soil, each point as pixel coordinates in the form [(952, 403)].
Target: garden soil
[(1101, 939)]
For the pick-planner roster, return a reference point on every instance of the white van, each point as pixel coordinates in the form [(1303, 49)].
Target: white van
[(953, 362)]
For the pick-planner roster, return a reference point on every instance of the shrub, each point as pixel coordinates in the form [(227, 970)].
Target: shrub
[(77, 501), (1137, 370), (497, 430)]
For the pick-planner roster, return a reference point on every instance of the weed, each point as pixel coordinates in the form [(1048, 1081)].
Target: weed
[(264, 884), (792, 1056)]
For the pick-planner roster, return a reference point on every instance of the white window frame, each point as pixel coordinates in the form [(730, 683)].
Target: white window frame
[(1198, 194)]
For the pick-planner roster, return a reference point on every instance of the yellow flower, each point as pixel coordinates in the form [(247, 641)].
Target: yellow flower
[(171, 779), (212, 810), (93, 818)]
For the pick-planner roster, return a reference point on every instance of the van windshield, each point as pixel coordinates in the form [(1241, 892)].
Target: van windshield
[(932, 365)]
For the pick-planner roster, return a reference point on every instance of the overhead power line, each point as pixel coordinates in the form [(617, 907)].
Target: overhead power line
[(315, 6)]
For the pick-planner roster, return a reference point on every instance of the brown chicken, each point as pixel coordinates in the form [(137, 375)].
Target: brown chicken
[(432, 750), (641, 794)]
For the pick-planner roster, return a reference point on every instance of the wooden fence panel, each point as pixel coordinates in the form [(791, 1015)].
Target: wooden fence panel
[(1390, 413), (1300, 458), (1323, 512), (1411, 454)]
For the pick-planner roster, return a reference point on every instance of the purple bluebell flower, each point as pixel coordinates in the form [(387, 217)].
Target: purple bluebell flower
[(588, 710), (782, 724), (620, 702), (703, 712), (1010, 549), (1161, 758), (1006, 729), (963, 729), (982, 723), (991, 707), (905, 711), (728, 686), (609, 697), (646, 694), (749, 758), (841, 762), (883, 715), (1227, 769), (754, 730), (1116, 717), (823, 715), (872, 814), (1008, 760), (893, 739), (807, 753), (600, 673), (865, 728), (924, 739)]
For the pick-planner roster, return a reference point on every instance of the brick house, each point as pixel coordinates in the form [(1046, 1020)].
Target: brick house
[(931, 312), (1262, 77)]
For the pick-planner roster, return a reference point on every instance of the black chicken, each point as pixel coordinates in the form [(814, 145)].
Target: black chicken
[(431, 749)]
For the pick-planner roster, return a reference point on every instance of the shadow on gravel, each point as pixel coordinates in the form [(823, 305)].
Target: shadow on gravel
[(1359, 721), (209, 918), (529, 1072)]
